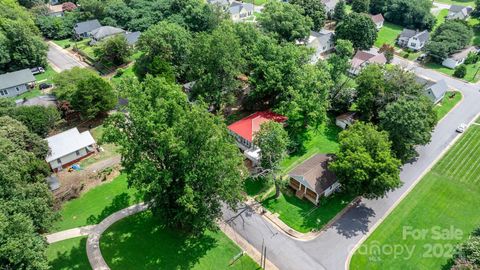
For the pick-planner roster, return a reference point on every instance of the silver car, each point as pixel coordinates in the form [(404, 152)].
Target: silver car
[(461, 128)]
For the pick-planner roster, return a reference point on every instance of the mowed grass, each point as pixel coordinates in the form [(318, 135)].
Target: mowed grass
[(109, 150), (472, 74), (302, 215), (96, 204), (388, 34), (458, 2), (69, 254), (440, 18), (446, 105), (322, 140), (447, 198), (142, 242)]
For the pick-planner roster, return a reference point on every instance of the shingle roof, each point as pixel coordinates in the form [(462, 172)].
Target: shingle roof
[(324, 36), (16, 78), (87, 26), (236, 7), (248, 126), (439, 89), (106, 31), (67, 142), (132, 37), (377, 18), (314, 174), (463, 53), (408, 33)]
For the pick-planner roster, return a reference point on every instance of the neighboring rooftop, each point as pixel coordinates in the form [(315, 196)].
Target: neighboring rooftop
[(314, 174), (236, 7), (463, 53), (87, 26), (106, 31), (132, 37), (367, 57), (67, 142), (408, 33), (377, 18), (16, 78), (248, 126)]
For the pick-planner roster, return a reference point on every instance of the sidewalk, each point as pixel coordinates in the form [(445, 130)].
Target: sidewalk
[(67, 234)]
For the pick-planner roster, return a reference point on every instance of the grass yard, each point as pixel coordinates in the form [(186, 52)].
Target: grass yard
[(84, 46), (388, 34), (127, 72), (458, 2), (109, 150), (142, 242), (324, 140), (256, 2), (446, 198), (446, 105), (302, 215), (64, 43), (68, 254), (472, 75), (47, 76), (96, 204), (440, 18), (35, 92)]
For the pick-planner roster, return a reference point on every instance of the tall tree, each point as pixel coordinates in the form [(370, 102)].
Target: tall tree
[(359, 29), (340, 11), (114, 50), (216, 62), (361, 6), (409, 122), (285, 21), (273, 141), (413, 14), (365, 165), (449, 37), (178, 154), (85, 90), (313, 9)]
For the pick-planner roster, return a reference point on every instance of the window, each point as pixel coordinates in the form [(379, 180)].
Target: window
[(3, 92), (59, 161), (77, 153), (18, 89)]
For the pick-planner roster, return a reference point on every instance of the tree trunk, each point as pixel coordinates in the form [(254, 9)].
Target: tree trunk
[(277, 187)]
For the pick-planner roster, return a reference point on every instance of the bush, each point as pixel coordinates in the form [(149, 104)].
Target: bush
[(472, 58), (67, 46), (467, 255), (120, 72), (460, 71)]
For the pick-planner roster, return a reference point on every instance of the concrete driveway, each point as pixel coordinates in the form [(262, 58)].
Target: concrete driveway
[(332, 248), (60, 59)]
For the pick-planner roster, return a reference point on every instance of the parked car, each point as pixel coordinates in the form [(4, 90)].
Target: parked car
[(461, 128), (43, 86), (37, 70), (422, 57)]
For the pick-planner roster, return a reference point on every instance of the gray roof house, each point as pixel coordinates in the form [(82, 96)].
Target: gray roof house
[(15, 83), (239, 11), (83, 29), (434, 90), (322, 42), (458, 58), (132, 37), (459, 12), (104, 32), (412, 39)]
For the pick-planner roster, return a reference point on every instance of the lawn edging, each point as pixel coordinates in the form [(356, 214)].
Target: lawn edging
[(402, 197), (455, 106)]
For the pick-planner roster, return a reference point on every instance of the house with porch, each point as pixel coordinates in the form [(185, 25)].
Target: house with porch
[(312, 179), (69, 147), (414, 40), (321, 42), (244, 132)]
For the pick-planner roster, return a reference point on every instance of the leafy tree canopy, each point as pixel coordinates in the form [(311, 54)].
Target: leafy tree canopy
[(413, 14), (361, 6), (115, 50), (449, 37), (359, 29), (313, 9)]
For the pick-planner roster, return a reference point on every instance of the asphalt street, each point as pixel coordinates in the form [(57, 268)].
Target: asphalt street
[(332, 248), (61, 60)]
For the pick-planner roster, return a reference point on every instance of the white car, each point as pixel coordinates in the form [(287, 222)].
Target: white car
[(461, 128)]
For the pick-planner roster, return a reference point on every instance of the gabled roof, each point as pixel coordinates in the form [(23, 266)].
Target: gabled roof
[(106, 31), (87, 26), (457, 8), (314, 174), (323, 36), (439, 89), (248, 126), (408, 34), (463, 53), (16, 78), (67, 142), (236, 7), (367, 57), (377, 18), (132, 37)]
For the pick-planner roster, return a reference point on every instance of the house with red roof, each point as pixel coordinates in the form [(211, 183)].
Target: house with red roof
[(244, 132)]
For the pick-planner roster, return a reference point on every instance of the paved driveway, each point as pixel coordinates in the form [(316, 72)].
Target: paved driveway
[(331, 249), (61, 59)]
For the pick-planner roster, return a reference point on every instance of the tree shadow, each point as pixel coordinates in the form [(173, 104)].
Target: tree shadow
[(118, 203), (355, 221), (75, 258), (144, 242)]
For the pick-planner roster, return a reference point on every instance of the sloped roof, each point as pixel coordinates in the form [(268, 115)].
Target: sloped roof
[(324, 36), (106, 31), (16, 78), (314, 174), (457, 8), (463, 53), (377, 18), (439, 89), (132, 37), (423, 36), (87, 26), (236, 7), (248, 126), (407, 33), (67, 142)]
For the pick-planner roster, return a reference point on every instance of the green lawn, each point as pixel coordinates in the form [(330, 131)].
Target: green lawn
[(35, 92), (109, 150), (142, 242), (64, 42), (256, 2), (47, 76), (446, 105), (302, 215), (84, 46), (458, 2), (388, 34), (471, 71), (127, 72), (68, 254), (446, 198), (441, 18), (324, 140), (96, 204)]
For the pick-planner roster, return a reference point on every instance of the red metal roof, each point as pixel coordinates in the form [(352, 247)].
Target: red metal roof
[(249, 125)]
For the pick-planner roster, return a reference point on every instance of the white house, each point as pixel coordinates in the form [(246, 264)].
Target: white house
[(321, 42), (458, 58), (69, 147), (16, 83), (412, 39)]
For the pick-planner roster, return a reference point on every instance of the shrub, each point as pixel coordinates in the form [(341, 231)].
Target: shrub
[(67, 46), (460, 71)]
